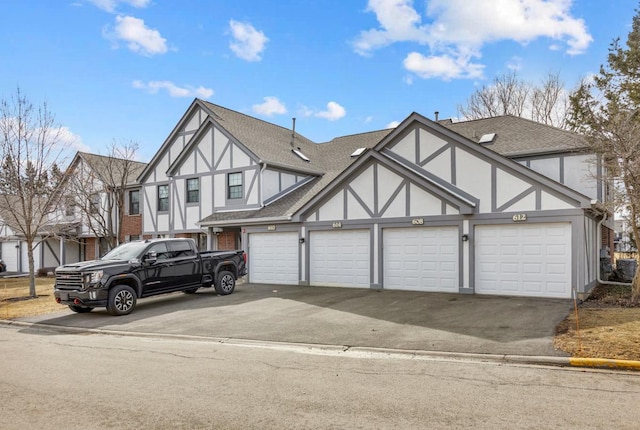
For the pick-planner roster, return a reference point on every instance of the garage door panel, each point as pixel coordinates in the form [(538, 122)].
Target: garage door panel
[(340, 258), (421, 259), (273, 258), (524, 260)]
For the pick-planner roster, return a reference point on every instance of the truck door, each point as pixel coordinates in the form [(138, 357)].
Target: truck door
[(158, 274), (185, 269)]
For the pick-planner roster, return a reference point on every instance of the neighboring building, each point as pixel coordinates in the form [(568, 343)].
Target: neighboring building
[(496, 206), (76, 229)]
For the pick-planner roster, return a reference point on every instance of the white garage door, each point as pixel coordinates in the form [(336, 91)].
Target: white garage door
[(273, 258), (523, 260), (421, 259), (10, 255), (340, 258)]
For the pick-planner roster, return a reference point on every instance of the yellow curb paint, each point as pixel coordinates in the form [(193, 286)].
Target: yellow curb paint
[(605, 362)]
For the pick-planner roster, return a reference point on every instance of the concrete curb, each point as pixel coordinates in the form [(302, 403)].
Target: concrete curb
[(362, 352), (605, 363)]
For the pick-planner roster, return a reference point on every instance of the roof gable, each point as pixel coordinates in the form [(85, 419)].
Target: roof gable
[(430, 150)]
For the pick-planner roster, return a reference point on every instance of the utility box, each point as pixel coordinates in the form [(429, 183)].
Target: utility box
[(626, 268)]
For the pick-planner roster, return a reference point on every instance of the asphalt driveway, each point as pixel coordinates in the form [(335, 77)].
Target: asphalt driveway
[(341, 316)]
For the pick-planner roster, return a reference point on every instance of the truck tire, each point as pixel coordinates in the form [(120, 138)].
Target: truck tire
[(226, 283), (80, 309), (122, 300)]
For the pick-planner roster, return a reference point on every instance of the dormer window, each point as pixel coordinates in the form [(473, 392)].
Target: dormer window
[(487, 138), (300, 154)]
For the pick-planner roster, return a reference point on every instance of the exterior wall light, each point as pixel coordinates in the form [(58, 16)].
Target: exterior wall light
[(301, 240), (465, 237)]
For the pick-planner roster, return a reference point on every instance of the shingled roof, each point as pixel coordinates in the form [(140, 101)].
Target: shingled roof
[(102, 165), (517, 136), (274, 145), (269, 142)]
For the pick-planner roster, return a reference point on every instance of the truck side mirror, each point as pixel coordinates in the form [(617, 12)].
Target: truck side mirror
[(151, 257)]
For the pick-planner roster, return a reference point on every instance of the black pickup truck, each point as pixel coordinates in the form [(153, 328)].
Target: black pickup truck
[(145, 268)]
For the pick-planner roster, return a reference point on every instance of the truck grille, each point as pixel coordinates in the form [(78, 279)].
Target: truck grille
[(69, 280)]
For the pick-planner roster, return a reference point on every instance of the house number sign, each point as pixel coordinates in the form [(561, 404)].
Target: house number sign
[(271, 227), (417, 221), (519, 217), (336, 225)]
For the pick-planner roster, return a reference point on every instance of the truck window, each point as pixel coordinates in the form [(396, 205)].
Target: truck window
[(181, 249), (161, 250)]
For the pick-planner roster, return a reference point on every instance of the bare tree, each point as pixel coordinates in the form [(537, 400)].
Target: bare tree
[(30, 150), (509, 95), (550, 102), (97, 186), (607, 111)]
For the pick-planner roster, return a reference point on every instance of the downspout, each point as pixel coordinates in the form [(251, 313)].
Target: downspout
[(599, 234), (261, 178)]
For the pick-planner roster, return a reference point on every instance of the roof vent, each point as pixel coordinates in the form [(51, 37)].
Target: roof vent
[(358, 152), (300, 154), (487, 138)]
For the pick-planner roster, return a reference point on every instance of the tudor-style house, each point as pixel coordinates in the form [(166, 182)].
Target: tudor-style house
[(76, 229), (496, 206)]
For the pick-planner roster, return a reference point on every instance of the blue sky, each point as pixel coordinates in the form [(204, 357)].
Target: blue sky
[(128, 69)]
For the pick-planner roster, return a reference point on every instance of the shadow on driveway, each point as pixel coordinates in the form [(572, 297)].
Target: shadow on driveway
[(343, 316)]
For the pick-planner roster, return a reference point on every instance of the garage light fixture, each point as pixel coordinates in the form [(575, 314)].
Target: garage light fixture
[(465, 237)]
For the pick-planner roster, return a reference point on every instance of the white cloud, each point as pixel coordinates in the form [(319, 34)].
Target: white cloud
[(393, 124), (271, 106), (112, 5), (456, 30), (515, 63), (69, 140), (153, 87), (248, 43), (334, 112), (443, 67), (138, 37)]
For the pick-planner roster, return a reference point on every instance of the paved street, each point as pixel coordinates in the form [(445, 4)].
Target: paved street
[(51, 380)]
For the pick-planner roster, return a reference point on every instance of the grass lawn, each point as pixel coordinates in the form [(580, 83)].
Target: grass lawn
[(606, 325), (15, 301)]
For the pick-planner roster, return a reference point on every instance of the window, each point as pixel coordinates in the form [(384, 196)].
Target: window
[(235, 185), (162, 253), (193, 190), (181, 249), (94, 203), (134, 202), (163, 198), (70, 209)]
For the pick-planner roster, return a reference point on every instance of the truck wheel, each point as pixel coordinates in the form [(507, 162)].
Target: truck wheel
[(190, 291), (80, 309), (122, 300), (226, 283)]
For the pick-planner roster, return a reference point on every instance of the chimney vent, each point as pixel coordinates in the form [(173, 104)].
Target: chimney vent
[(437, 113), (293, 133)]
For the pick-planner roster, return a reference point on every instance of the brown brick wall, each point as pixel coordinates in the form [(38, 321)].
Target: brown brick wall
[(131, 226), (227, 240), (90, 248), (607, 239)]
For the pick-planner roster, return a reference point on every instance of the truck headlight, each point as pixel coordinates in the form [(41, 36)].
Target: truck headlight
[(95, 277)]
